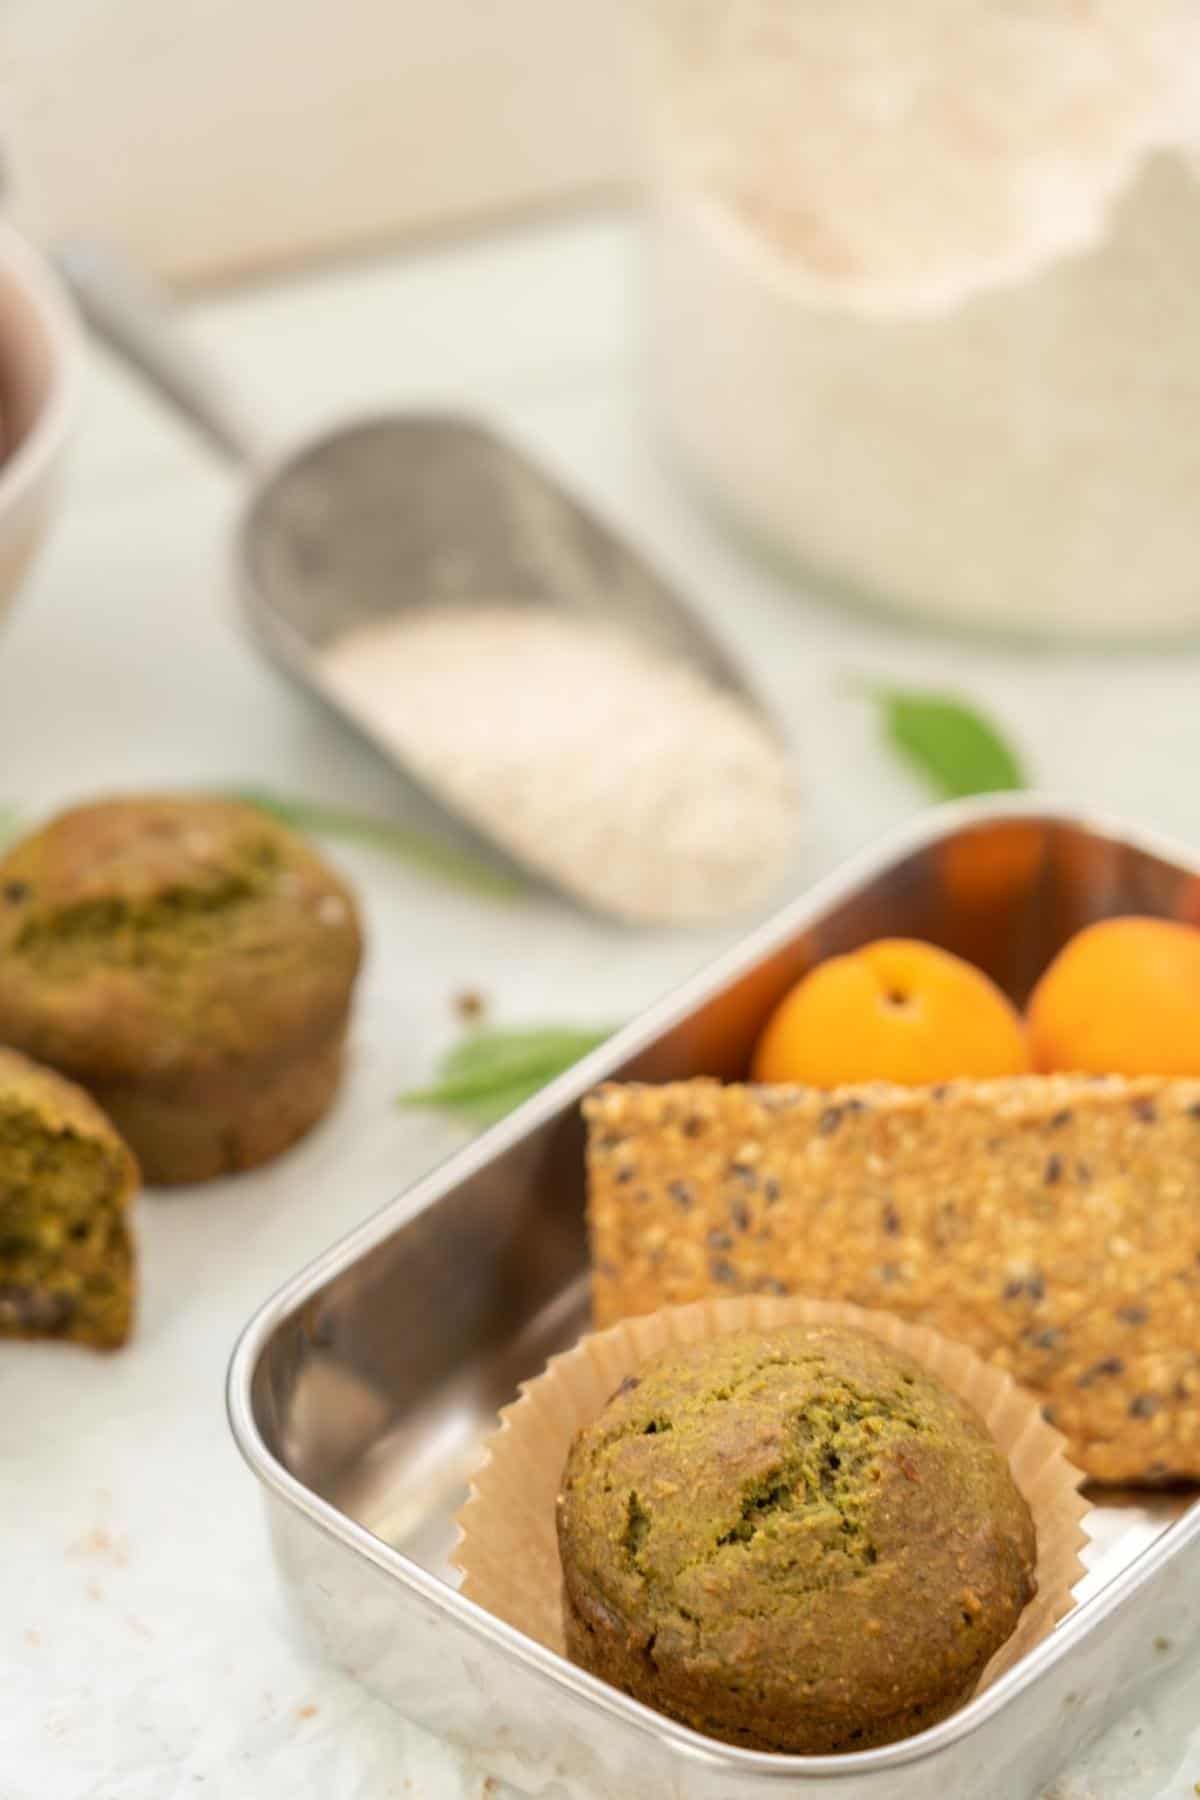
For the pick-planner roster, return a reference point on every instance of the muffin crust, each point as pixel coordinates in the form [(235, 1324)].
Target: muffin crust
[(190, 961), (66, 1185), (797, 1541)]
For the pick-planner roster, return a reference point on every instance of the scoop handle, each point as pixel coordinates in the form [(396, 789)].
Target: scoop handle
[(134, 316)]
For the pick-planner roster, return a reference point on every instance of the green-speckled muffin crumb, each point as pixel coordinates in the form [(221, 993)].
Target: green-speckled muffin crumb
[(190, 962), (797, 1541), (66, 1183)]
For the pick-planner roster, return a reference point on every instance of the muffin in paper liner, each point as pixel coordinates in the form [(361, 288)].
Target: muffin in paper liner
[(508, 1549)]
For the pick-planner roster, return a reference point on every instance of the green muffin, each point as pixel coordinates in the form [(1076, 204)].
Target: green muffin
[(190, 962), (66, 1184), (795, 1541)]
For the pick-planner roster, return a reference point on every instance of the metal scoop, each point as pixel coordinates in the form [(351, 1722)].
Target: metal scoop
[(377, 514)]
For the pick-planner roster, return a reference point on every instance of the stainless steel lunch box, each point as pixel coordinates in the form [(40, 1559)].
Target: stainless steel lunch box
[(359, 1394)]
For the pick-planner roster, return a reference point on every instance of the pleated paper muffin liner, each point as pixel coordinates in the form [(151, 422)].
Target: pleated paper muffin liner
[(508, 1548)]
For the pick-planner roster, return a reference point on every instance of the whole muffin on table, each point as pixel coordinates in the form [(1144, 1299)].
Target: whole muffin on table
[(66, 1185), (190, 961), (794, 1541)]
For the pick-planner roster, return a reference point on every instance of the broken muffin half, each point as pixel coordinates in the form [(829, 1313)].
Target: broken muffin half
[(67, 1181)]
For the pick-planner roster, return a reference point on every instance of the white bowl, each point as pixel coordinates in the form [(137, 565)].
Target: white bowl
[(40, 361)]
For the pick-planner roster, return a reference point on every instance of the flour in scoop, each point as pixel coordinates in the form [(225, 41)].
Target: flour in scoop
[(624, 777)]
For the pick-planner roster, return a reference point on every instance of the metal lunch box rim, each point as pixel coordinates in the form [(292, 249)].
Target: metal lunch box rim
[(930, 827)]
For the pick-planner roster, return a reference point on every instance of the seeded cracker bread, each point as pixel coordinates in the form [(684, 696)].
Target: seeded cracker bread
[(1051, 1223)]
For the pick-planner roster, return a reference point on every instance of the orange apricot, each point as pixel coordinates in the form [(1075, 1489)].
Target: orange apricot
[(896, 1010), (1121, 998)]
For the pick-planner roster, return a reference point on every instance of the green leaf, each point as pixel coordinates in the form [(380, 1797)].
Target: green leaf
[(10, 825), (428, 854), (950, 743), (491, 1072), (485, 1109)]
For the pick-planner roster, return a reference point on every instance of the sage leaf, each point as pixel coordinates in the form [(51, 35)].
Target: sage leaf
[(950, 742), (491, 1072), (416, 848)]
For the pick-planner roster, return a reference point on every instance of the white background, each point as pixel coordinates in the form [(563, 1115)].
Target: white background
[(145, 1653), (211, 136)]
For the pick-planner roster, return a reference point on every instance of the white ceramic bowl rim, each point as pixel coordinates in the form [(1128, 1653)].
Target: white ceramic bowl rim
[(27, 463)]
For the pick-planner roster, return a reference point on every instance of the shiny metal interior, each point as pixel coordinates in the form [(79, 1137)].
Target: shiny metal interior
[(364, 1390)]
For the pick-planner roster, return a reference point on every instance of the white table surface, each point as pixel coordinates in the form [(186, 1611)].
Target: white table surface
[(145, 1652)]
